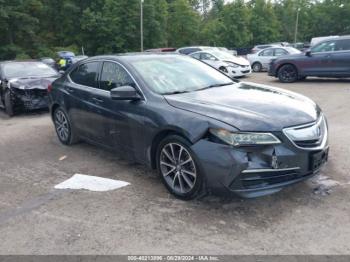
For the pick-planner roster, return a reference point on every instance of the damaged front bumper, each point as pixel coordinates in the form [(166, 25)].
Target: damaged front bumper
[(257, 170), (30, 99)]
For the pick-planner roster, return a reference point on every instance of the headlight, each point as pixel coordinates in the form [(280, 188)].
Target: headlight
[(232, 64), (245, 139)]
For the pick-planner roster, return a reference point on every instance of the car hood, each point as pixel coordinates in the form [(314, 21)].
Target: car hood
[(31, 83), (249, 106), (238, 60)]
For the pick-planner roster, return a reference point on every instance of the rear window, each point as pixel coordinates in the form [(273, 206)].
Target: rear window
[(85, 74), (343, 45)]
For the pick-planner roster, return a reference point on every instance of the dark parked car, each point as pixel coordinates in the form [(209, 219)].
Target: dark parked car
[(24, 84), (199, 128), (330, 58)]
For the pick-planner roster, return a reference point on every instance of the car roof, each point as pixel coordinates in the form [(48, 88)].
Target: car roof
[(19, 61), (131, 56)]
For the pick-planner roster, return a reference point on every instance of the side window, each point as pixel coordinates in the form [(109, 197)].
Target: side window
[(197, 56), (206, 56), (267, 52), (343, 45), (113, 75), (85, 74), (324, 47), (280, 51)]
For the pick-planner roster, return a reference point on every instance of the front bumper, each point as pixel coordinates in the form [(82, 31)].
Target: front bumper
[(31, 99), (239, 71), (257, 171)]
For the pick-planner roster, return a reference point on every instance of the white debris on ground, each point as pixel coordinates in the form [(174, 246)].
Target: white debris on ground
[(92, 183), (62, 158), (324, 184)]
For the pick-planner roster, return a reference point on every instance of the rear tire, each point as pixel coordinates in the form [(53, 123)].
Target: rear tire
[(178, 169), (257, 67), (288, 74), (63, 127), (8, 103)]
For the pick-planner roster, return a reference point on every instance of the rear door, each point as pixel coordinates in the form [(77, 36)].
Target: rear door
[(266, 56), (82, 81)]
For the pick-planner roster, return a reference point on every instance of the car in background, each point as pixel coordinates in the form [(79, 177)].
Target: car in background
[(49, 61), (203, 131), (261, 60), (257, 48), (231, 65), (300, 46), (24, 85), (161, 50), (316, 40), (230, 51), (191, 49), (329, 58)]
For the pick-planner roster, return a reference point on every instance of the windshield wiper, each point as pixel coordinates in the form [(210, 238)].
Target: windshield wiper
[(215, 85), (176, 92)]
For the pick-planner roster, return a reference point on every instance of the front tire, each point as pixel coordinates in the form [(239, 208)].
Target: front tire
[(177, 166), (257, 67), (8, 103), (63, 127), (288, 74)]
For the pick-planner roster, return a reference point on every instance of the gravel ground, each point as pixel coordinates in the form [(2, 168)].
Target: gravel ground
[(309, 218)]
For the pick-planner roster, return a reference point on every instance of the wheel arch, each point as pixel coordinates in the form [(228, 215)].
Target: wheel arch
[(53, 109), (159, 137), (286, 63)]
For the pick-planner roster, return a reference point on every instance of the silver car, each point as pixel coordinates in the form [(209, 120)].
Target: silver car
[(261, 60)]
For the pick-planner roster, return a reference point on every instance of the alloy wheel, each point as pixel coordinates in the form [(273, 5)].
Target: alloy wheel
[(62, 125), (257, 67), (288, 74), (178, 168)]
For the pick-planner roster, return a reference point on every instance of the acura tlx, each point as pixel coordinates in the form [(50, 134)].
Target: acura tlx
[(201, 130)]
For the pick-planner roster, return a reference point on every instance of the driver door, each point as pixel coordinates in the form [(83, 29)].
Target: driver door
[(117, 122), (266, 56)]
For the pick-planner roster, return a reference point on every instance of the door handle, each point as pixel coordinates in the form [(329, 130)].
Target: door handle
[(97, 100)]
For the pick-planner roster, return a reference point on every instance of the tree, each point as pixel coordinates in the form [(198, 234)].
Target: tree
[(183, 24), (264, 25)]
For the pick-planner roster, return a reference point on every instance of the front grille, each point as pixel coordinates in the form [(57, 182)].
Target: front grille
[(255, 180), (309, 136)]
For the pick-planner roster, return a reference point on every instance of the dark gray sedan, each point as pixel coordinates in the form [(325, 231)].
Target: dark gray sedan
[(201, 130)]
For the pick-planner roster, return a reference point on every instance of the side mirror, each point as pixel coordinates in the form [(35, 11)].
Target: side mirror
[(308, 53), (125, 93)]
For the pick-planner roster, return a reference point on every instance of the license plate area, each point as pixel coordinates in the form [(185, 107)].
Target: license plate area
[(318, 159)]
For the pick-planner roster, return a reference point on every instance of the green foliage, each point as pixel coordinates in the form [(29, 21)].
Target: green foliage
[(37, 28)]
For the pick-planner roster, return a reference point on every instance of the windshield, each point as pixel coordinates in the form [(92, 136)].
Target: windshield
[(178, 74), (27, 69)]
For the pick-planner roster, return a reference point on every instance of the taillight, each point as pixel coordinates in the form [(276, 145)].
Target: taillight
[(49, 88)]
